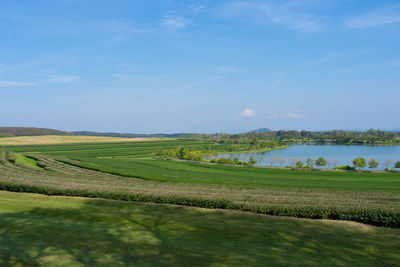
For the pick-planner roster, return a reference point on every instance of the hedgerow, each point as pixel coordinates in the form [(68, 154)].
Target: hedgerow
[(384, 218)]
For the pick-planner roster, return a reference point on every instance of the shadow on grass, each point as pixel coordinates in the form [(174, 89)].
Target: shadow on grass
[(100, 232)]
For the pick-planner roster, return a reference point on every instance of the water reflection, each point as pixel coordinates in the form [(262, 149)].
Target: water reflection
[(334, 154)]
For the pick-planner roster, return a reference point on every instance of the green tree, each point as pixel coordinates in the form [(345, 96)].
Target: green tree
[(373, 164), (252, 160), (299, 164), (182, 154), (359, 163), (321, 162), (310, 163), (397, 165)]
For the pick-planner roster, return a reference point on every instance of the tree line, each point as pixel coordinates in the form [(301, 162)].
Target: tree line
[(372, 136)]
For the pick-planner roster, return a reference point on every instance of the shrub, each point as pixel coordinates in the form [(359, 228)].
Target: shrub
[(299, 164), (252, 160), (397, 165), (310, 163), (373, 164), (345, 168)]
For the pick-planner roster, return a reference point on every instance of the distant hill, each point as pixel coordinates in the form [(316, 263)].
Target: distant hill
[(28, 131), (32, 131), (260, 130)]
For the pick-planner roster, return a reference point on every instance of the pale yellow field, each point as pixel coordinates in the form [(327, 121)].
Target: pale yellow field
[(62, 139)]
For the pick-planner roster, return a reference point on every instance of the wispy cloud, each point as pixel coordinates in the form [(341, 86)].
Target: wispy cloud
[(194, 8), (14, 84), (248, 112), (273, 116), (298, 114), (228, 69), (380, 17), (60, 79), (128, 73), (121, 26), (295, 115), (174, 23), (292, 14), (195, 84), (394, 63), (275, 83)]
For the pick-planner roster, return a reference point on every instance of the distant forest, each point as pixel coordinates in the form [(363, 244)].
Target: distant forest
[(372, 136), (29, 131)]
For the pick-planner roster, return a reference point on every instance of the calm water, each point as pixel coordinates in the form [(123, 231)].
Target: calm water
[(342, 154)]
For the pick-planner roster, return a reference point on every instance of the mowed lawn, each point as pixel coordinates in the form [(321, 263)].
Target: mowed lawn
[(63, 231)]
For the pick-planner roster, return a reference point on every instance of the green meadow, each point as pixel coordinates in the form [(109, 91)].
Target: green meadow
[(63, 231), (219, 224)]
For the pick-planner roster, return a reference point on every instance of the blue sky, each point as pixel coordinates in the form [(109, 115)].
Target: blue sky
[(199, 66)]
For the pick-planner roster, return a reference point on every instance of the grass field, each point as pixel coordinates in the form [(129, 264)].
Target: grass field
[(111, 232), (251, 187), (62, 231), (62, 139), (21, 160)]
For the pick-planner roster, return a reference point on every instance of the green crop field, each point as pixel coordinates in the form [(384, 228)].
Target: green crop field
[(62, 231), (129, 171)]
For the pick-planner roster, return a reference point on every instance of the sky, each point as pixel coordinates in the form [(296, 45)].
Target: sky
[(199, 66)]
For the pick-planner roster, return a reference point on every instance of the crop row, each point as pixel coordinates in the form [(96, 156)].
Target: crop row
[(373, 217)]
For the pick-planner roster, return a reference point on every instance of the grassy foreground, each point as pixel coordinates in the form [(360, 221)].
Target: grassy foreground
[(62, 231)]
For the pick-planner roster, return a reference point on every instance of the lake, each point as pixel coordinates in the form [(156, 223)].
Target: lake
[(340, 154)]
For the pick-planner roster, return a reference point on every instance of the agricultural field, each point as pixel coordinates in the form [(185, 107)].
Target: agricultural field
[(129, 171), (63, 139), (64, 231)]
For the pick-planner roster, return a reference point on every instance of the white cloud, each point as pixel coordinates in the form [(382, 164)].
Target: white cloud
[(61, 79), (196, 8), (298, 114), (273, 116), (173, 23), (291, 14), (14, 84), (294, 115), (383, 16), (277, 81), (248, 112)]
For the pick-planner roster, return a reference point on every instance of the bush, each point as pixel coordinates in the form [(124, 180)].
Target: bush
[(345, 168), (299, 164), (397, 165)]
